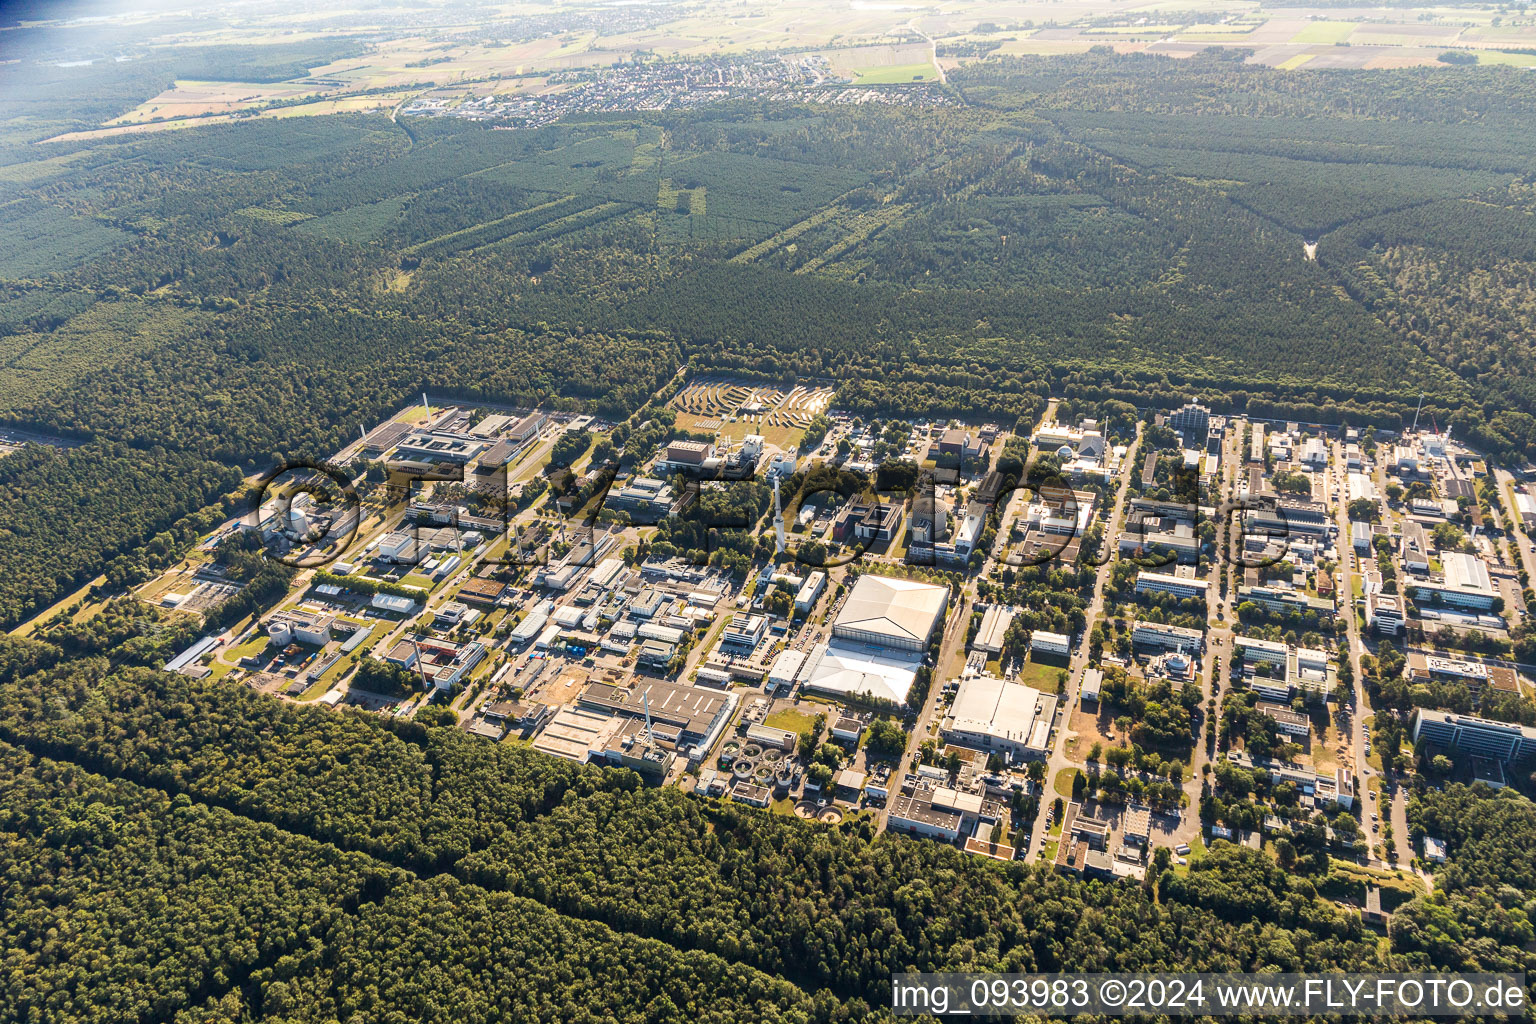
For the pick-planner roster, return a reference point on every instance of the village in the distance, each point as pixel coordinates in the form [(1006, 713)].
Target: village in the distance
[(1103, 643)]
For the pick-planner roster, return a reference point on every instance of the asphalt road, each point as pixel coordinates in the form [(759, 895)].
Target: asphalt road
[(1059, 760)]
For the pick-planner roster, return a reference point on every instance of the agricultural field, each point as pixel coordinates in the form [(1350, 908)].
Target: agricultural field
[(895, 74), (1325, 32), (1499, 57), (382, 60)]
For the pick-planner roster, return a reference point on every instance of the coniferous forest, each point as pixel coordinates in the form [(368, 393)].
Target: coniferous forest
[(245, 859)]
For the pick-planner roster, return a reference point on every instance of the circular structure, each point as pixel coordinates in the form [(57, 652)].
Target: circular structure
[(830, 816), (318, 534), (752, 751), (762, 774), (805, 809), (742, 771)]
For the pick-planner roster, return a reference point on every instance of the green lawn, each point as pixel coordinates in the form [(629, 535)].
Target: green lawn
[(1063, 782), (794, 721), (1326, 32), (895, 74), (255, 645), (1406, 882), (1041, 676)]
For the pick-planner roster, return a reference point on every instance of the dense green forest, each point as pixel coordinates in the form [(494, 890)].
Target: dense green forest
[(126, 903), (369, 870)]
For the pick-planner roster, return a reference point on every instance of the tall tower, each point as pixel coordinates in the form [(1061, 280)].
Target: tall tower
[(778, 520)]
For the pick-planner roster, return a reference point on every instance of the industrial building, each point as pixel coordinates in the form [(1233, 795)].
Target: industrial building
[(586, 735), (868, 524), (877, 640), (997, 716), (810, 592), (645, 499), (849, 670), (929, 522), (433, 446), (1525, 508), (393, 603), (892, 613), (532, 624), (1465, 583), (441, 662), (941, 812), (1362, 488), (657, 654), (994, 629), (685, 456), (401, 547), (786, 670), (1414, 547), (690, 718), (482, 591), (303, 627), (384, 437)]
